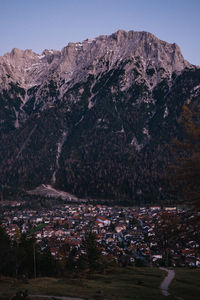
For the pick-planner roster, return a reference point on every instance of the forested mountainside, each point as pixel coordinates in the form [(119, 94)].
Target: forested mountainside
[(94, 119)]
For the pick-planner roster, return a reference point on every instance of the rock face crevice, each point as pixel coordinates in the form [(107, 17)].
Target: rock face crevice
[(118, 97)]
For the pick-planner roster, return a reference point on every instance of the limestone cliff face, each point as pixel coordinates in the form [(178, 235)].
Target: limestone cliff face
[(29, 69), (40, 80), (90, 118)]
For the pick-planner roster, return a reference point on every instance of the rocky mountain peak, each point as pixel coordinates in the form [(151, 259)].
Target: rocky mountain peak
[(77, 60), (93, 119), (25, 67), (150, 48), (18, 53), (94, 56)]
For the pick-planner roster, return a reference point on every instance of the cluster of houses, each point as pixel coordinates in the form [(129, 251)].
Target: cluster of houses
[(140, 236)]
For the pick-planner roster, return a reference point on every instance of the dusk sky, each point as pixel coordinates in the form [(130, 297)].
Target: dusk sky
[(51, 24)]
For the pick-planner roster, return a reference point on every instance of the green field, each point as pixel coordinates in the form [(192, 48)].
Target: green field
[(129, 283), (186, 284)]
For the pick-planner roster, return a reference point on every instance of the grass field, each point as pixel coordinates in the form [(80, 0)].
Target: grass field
[(117, 284), (186, 284)]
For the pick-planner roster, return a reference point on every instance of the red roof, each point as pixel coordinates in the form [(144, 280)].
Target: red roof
[(188, 251), (101, 219)]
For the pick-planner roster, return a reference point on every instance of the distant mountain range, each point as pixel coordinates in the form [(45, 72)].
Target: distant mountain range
[(94, 118)]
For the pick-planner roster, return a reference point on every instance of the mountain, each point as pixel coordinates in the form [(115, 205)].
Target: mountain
[(94, 118)]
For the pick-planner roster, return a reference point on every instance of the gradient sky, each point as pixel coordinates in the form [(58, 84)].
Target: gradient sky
[(51, 24)]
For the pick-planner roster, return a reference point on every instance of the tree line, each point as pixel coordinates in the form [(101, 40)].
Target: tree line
[(22, 257)]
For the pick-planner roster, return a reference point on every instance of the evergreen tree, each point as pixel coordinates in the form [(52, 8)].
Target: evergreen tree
[(71, 260), (45, 263), (5, 253), (93, 252)]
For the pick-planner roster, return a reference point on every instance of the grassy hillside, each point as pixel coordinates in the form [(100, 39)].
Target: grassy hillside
[(130, 283), (117, 284), (186, 284)]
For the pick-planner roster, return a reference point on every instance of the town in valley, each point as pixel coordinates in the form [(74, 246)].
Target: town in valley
[(138, 236)]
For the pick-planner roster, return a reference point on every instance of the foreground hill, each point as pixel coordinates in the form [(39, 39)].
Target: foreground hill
[(94, 118), (121, 284)]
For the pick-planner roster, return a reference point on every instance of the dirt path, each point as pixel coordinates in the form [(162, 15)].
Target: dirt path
[(166, 281)]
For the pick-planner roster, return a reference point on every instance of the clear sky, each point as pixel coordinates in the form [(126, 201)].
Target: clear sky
[(51, 24)]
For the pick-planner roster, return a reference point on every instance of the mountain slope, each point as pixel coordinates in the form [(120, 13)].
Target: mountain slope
[(94, 119)]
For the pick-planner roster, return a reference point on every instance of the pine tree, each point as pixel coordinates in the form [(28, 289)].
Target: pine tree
[(93, 252), (5, 253)]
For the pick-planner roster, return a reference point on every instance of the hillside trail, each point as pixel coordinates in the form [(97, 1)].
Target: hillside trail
[(166, 283)]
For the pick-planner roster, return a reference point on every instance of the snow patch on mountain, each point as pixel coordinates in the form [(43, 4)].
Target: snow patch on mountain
[(166, 112), (59, 150)]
